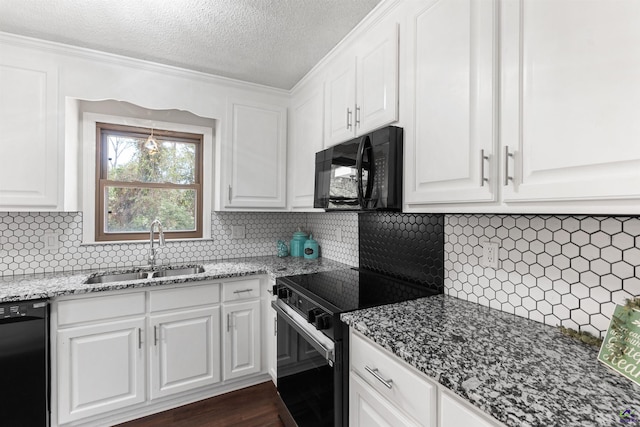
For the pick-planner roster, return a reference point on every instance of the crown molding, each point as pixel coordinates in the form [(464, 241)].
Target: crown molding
[(113, 59), (379, 12)]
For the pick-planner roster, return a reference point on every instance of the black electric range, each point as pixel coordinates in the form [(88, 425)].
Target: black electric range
[(313, 382), (318, 295)]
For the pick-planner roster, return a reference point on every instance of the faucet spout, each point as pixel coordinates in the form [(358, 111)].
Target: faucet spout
[(152, 247)]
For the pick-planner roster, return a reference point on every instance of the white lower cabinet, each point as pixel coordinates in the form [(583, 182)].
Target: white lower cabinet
[(370, 409), (185, 352), (100, 368), (385, 391), (124, 354), (242, 339), (455, 413)]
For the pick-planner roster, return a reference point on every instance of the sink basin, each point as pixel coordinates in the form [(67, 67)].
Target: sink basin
[(146, 274), (168, 272)]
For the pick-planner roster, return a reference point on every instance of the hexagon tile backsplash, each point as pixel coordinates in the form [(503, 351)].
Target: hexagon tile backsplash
[(22, 248), (555, 269)]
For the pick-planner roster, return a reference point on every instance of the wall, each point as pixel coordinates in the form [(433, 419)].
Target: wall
[(22, 249), (568, 270)]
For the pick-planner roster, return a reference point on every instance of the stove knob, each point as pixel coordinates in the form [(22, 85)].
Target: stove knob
[(313, 314), (284, 293), (323, 321)]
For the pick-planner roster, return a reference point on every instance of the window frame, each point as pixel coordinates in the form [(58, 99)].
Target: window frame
[(102, 182)]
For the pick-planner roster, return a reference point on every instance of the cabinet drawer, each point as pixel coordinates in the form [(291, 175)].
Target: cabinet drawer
[(169, 299), (100, 308), (404, 387), (241, 290)]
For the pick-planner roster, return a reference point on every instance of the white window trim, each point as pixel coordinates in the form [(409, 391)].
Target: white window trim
[(89, 142)]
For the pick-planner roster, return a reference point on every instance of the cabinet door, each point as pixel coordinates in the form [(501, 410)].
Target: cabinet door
[(185, 350), (377, 79), (451, 148), (270, 322), (340, 100), (369, 409), (30, 172), (307, 136), (454, 413), (100, 368), (570, 99), (271, 334), (255, 157), (242, 339)]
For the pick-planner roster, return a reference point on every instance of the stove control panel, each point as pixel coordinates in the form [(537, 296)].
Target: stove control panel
[(314, 315)]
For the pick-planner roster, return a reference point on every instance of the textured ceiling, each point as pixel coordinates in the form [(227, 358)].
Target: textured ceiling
[(270, 42)]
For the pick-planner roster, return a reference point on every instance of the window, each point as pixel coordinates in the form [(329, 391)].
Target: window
[(140, 179)]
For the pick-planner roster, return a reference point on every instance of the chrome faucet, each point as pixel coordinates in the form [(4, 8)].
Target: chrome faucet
[(152, 248)]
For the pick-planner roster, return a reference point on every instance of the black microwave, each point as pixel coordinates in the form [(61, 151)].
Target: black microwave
[(362, 174)]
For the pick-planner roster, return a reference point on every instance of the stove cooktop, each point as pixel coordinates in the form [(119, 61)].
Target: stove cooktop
[(352, 289)]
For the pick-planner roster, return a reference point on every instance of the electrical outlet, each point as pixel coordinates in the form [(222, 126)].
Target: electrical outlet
[(490, 254), (51, 241), (238, 231)]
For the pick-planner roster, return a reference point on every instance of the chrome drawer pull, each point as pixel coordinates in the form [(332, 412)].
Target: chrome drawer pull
[(375, 373), (242, 290)]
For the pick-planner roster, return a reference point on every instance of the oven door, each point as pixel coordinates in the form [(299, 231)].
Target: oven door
[(309, 379)]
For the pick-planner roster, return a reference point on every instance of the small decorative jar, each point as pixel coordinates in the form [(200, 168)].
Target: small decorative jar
[(311, 248), (296, 247), (283, 251)]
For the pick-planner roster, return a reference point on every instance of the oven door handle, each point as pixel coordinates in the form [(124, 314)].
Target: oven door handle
[(327, 353)]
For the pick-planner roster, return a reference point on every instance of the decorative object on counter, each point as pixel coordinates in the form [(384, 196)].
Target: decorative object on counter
[(283, 251), (296, 248), (620, 350), (583, 336), (311, 248)]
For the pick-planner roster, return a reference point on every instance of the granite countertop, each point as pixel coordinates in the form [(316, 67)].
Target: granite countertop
[(521, 372), (48, 285)]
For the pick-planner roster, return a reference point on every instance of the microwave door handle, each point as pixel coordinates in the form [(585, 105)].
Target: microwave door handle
[(359, 170), (372, 170)]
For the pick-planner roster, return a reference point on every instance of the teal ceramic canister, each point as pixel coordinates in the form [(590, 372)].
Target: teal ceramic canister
[(296, 248), (311, 248)]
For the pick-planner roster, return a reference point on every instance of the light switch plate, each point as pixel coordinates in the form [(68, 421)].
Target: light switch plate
[(490, 254), (238, 231)]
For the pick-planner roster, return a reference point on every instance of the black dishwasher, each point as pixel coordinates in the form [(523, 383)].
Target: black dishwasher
[(24, 363)]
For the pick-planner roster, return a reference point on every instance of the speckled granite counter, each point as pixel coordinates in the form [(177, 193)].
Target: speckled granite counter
[(522, 372), (26, 287)]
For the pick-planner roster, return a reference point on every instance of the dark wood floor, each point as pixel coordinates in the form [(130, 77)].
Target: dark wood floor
[(255, 406)]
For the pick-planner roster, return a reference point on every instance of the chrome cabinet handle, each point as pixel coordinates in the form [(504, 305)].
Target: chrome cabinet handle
[(483, 158), (275, 326), (139, 338), (229, 194), (242, 290), (507, 154), (155, 335), (349, 112), (357, 116), (387, 383), (228, 322)]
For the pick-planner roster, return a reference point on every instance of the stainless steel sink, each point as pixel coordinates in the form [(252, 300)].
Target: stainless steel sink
[(145, 274), (168, 272)]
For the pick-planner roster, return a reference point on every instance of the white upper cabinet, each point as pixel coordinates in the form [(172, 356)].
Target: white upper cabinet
[(571, 101), (340, 100), (450, 147), (29, 144), (377, 78), (362, 85), (253, 163), (305, 139)]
